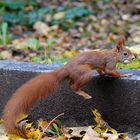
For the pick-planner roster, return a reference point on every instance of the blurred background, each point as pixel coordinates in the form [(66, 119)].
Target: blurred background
[(51, 31)]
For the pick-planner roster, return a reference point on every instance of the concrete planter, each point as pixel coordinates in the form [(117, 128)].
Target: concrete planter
[(118, 100)]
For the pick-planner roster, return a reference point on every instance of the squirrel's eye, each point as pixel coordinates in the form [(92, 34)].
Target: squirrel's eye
[(125, 53)]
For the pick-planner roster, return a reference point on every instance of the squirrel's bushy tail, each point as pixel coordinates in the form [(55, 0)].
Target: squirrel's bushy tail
[(37, 88)]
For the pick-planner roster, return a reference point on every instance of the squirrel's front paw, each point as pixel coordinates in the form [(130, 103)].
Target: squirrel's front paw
[(126, 75)]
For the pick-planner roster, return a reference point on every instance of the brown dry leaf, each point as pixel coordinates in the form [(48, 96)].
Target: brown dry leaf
[(91, 135), (17, 29), (41, 28), (123, 136), (119, 136), (75, 131), (65, 132), (61, 138), (59, 15), (19, 43), (28, 8), (110, 136), (42, 124), (6, 54)]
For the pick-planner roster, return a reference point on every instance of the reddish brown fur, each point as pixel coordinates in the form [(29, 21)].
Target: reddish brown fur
[(78, 71), (121, 42)]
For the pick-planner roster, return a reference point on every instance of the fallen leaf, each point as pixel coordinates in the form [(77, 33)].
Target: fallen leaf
[(61, 138), (28, 8), (21, 117), (33, 134), (59, 15), (6, 54), (91, 135), (14, 137), (42, 124), (68, 54), (101, 125), (41, 28), (17, 29), (4, 138), (110, 37)]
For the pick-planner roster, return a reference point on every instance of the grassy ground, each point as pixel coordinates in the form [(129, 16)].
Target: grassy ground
[(52, 31)]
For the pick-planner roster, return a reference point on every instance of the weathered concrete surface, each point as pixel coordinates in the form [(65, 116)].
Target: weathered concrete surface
[(118, 100)]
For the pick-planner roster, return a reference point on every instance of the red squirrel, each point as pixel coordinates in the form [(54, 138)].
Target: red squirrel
[(78, 71)]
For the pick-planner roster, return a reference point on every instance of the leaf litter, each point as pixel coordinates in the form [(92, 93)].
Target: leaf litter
[(74, 25), (54, 130)]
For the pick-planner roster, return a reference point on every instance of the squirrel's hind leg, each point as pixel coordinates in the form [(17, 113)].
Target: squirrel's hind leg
[(83, 75)]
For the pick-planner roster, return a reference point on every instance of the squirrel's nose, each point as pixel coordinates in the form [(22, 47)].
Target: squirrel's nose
[(133, 57)]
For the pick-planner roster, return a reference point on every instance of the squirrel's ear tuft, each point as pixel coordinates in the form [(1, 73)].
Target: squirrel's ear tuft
[(120, 44)]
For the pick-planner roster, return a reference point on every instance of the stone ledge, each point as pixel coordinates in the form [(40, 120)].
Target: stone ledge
[(116, 99)]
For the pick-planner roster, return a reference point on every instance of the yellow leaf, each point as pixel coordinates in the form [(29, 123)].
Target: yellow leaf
[(101, 125), (97, 115), (110, 38), (21, 117), (69, 54), (14, 137), (62, 138), (43, 124), (1, 121), (113, 131), (28, 125), (33, 134)]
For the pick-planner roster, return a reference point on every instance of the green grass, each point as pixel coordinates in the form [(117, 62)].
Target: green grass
[(4, 36), (134, 65)]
